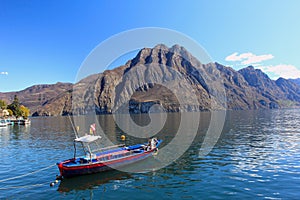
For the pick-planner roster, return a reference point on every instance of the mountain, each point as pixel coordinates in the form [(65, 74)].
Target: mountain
[(282, 92), (297, 81), (38, 95), (262, 83), (292, 90), (163, 78)]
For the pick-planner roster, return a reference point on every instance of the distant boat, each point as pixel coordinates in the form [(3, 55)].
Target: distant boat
[(3, 123), (24, 121), (106, 158), (9, 122)]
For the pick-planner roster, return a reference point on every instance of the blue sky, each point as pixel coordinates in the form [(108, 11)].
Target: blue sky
[(47, 41)]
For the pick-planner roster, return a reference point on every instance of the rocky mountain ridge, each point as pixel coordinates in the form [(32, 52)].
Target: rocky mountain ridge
[(38, 96), (162, 78), (297, 81)]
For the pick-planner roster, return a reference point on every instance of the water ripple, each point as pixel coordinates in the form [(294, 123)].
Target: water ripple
[(257, 156)]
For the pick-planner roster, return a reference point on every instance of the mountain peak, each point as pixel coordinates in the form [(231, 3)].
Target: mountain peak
[(160, 47), (250, 67), (161, 54), (250, 72)]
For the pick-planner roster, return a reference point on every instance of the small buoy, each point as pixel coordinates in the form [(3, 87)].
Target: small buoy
[(52, 184), (56, 181), (123, 137)]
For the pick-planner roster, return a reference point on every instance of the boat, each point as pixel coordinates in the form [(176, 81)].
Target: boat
[(23, 121), (8, 122), (3, 123), (104, 159)]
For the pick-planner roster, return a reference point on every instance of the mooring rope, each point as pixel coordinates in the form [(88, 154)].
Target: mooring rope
[(16, 177), (24, 186)]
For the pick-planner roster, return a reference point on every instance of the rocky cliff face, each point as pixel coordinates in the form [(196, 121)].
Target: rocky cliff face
[(169, 79), (174, 80)]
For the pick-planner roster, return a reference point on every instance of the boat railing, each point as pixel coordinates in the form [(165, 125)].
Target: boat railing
[(107, 148)]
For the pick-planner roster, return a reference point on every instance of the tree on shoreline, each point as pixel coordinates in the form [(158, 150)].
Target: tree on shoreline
[(24, 111), (17, 109), (3, 104)]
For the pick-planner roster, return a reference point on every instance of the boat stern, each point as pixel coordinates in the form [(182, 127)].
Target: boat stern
[(60, 167)]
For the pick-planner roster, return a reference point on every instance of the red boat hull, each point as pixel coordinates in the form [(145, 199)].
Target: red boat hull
[(67, 169)]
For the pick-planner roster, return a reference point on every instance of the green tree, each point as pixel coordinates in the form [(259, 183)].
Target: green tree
[(15, 107), (3, 104), (24, 111), (18, 110)]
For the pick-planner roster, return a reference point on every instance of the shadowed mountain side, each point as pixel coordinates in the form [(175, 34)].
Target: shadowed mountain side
[(297, 81)]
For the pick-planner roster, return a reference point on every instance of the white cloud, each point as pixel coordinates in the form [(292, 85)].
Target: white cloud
[(248, 58), (236, 57), (282, 70), (274, 71), (4, 73), (257, 59)]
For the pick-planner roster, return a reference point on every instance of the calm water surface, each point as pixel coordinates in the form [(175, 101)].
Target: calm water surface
[(256, 157)]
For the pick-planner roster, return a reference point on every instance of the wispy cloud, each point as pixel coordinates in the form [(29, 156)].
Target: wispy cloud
[(4, 73), (248, 58), (275, 71), (282, 70)]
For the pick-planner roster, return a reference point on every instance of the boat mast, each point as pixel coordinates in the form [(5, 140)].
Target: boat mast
[(73, 127), (89, 150), (77, 136)]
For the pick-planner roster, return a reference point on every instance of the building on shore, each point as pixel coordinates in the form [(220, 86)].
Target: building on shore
[(4, 113)]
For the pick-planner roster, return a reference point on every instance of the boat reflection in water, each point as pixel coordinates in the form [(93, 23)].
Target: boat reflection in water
[(92, 180)]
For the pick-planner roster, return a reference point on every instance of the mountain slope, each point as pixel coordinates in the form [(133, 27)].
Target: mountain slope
[(172, 79), (297, 81), (164, 76), (291, 89), (37, 95)]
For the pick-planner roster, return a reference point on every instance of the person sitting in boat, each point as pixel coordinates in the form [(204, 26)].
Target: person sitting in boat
[(155, 140), (148, 147), (153, 143)]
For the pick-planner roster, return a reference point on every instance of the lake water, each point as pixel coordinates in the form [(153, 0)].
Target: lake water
[(257, 156)]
